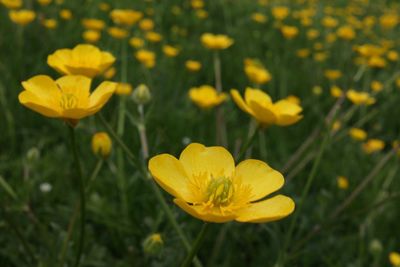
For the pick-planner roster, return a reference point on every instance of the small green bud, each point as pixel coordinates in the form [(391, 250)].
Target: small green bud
[(141, 95), (375, 247), (153, 244), (33, 154)]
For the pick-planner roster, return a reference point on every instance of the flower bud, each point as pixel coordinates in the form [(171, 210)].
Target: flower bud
[(375, 247), (101, 144), (141, 95), (153, 244), (33, 154)]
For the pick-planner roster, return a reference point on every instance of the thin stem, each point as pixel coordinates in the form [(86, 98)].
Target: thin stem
[(142, 133), (248, 143), (197, 243), (219, 116), (81, 183)]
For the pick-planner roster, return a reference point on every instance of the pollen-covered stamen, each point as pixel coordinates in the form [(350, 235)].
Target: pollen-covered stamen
[(220, 191), (68, 101)]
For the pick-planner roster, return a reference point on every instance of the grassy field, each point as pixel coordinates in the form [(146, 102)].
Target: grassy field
[(82, 181)]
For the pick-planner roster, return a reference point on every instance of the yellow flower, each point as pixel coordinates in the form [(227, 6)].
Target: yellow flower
[(117, 33), (330, 37), (91, 36), (360, 98), (329, 22), (346, 33), (392, 55), (201, 14), (336, 126), (197, 4), (146, 24), (216, 41), (373, 145), (207, 185), (12, 4), (83, 59), (44, 2), (377, 62), (336, 92), (303, 53), (317, 90), (259, 17), (126, 17), (110, 73), (312, 34), (193, 65), (389, 20), (136, 42), (170, 51), (394, 259), (50, 23), (259, 105), (68, 97), (101, 144), (104, 6), (280, 12), (93, 24), (289, 32), (206, 96), (65, 14), (376, 86), (153, 244), (257, 74), (342, 182), (358, 134), (146, 57), (153, 37), (123, 89), (332, 74), (22, 17)]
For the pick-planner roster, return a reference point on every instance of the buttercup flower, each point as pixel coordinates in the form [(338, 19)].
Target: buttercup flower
[(360, 98), (206, 96), (373, 145), (93, 24), (394, 258), (280, 12), (153, 37), (91, 36), (207, 185), (342, 182), (67, 98), (146, 57), (101, 144), (126, 17), (193, 65), (65, 14), (123, 89), (12, 4), (117, 33), (22, 17), (332, 74), (346, 32), (257, 74), (216, 41), (358, 134), (170, 51), (136, 42), (289, 32), (83, 59), (259, 105)]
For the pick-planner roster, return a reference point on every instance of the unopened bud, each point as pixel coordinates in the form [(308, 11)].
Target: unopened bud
[(32, 154), (375, 247), (101, 144), (141, 95), (153, 244)]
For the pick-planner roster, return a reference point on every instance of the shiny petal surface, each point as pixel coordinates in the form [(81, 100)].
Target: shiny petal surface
[(101, 95), (32, 102), (240, 102), (45, 89), (78, 86), (264, 115), (257, 95)]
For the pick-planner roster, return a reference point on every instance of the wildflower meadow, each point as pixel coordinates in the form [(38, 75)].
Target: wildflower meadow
[(199, 133)]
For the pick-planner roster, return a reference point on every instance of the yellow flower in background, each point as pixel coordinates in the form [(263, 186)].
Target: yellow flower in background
[(216, 41), (360, 98), (146, 24), (101, 144), (376, 86), (153, 37), (50, 23), (358, 134), (312, 34), (336, 92), (259, 105), (329, 22), (65, 14), (123, 89), (289, 32), (125, 17), (110, 73), (206, 96), (12, 4), (117, 32), (67, 98), (320, 57), (259, 17), (193, 65), (336, 126), (394, 258), (93, 24), (146, 57), (136, 42), (280, 12), (91, 36), (389, 20), (207, 185), (153, 244), (22, 17), (346, 32), (342, 182), (317, 90), (377, 62), (257, 74), (44, 2), (303, 53), (170, 51), (373, 145), (332, 75), (201, 14), (83, 59), (104, 6), (392, 55)]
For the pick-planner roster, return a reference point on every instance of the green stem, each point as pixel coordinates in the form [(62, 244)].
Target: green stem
[(197, 243), (82, 195), (248, 143)]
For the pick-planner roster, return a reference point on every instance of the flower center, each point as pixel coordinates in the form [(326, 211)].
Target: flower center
[(68, 101), (220, 191)]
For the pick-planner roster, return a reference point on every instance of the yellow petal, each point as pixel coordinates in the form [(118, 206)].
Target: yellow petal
[(171, 176), (268, 210), (77, 85), (86, 55), (287, 107), (45, 89), (264, 115), (215, 161), (58, 60), (31, 101), (198, 212), (262, 179), (258, 96), (286, 120), (107, 59), (75, 113), (101, 95), (85, 71), (240, 102)]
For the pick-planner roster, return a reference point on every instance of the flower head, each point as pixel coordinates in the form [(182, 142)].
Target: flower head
[(216, 41), (207, 185), (259, 105), (360, 98), (12, 4), (193, 65), (101, 144), (206, 96), (68, 97), (22, 17), (126, 17), (83, 59), (373, 145)]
